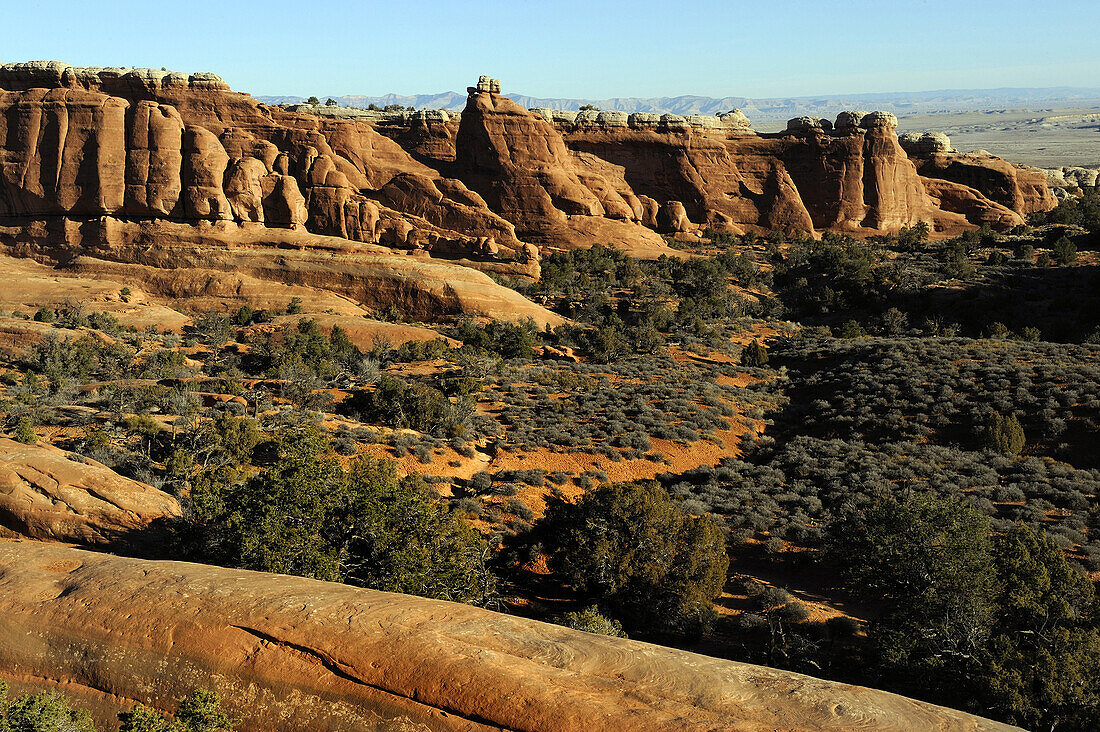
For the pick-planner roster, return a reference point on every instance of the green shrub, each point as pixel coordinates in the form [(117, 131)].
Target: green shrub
[(24, 431), (44, 712), (200, 711), (590, 620), (631, 548)]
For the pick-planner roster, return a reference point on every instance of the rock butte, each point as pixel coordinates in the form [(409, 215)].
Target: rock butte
[(106, 168), (288, 653)]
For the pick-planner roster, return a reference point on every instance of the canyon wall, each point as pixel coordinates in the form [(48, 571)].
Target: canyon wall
[(488, 188)]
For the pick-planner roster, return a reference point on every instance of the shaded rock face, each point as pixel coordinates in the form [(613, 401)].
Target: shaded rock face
[(47, 493), (85, 143), (287, 653), (1019, 188)]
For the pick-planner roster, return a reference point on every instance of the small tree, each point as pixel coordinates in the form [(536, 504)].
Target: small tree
[(330, 102), (24, 431), (926, 562), (1003, 434), (313, 100), (200, 711), (45, 712), (1064, 251), (754, 354), (1044, 656), (632, 549)]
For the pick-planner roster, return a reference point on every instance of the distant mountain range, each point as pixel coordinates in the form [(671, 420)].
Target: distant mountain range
[(761, 110)]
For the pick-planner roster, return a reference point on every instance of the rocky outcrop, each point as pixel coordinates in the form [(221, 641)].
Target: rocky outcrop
[(48, 493), (969, 205), (1022, 189), (225, 264), (287, 653), (138, 144), (809, 179), (1071, 180), (518, 162), (84, 143)]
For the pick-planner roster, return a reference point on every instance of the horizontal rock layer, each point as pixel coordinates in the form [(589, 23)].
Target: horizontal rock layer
[(287, 653)]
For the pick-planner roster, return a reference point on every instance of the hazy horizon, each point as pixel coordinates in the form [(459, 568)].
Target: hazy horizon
[(585, 50)]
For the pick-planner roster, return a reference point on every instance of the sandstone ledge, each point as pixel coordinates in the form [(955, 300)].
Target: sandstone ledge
[(288, 653)]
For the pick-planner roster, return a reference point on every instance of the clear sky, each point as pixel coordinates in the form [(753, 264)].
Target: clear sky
[(576, 48)]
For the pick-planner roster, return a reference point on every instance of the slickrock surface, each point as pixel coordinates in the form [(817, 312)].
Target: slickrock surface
[(287, 653), (48, 493)]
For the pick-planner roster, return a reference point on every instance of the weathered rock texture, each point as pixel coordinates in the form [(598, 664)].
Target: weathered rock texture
[(88, 156), (555, 174), (287, 653), (80, 148), (47, 493)]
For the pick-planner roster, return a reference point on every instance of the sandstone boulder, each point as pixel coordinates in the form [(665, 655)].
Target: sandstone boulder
[(644, 119), (809, 124), (926, 143), (848, 120), (287, 653), (47, 493), (879, 119), (735, 118)]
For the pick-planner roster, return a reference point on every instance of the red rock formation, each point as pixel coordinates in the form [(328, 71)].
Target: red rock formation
[(86, 143), (520, 165), (807, 180), (1023, 190), (287, 653), (47, 493)]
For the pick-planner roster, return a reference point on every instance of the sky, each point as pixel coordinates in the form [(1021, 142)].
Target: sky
[(576, 48)]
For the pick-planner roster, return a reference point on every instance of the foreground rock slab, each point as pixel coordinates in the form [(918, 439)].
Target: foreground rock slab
[(288, 653)]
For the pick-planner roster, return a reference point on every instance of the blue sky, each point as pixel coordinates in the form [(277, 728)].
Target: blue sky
[(574, 48)]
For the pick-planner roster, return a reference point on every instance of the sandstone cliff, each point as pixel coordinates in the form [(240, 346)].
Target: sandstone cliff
[(288, 653), (480, 188)]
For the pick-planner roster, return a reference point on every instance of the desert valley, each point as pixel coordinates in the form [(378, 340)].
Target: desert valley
[(333, 417)]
